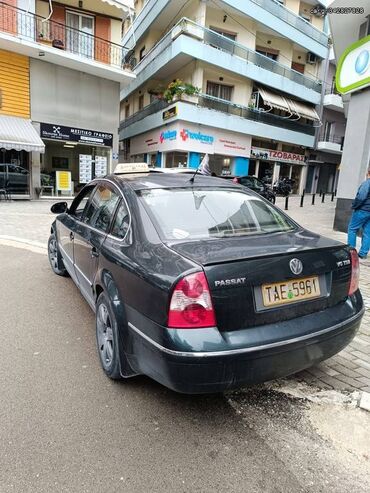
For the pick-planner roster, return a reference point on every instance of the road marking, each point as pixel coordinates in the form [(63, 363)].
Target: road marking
[(23, 243)]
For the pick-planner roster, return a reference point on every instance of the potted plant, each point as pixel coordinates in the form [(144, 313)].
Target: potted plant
[(181, 90)]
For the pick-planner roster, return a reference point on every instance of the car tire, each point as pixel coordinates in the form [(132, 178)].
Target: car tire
[(107, 337), (55, 258)]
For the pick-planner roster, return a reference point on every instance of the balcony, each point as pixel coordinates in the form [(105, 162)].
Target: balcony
[(333, 144), (219, 113), (32, 35), (333, 100), (269, 13), (187, 40)]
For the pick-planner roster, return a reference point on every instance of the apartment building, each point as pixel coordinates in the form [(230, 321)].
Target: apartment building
[(256, 66), (62, 69), (324, 161)]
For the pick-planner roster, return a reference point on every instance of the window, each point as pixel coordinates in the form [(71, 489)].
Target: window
[(298, 67), (141, 102), (101, 207), (121, 221), (208, 213), (220, 91), (127, 111), (229, 35), (80, 202), (269, 52), (141, 53)]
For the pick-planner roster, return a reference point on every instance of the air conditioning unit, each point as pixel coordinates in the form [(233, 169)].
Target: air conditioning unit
[(311, 58)]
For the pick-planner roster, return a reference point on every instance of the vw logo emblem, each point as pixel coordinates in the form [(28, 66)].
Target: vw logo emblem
[(296, 266)]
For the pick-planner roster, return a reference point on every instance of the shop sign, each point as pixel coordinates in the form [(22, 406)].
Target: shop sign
[(168, 135), (63, 181), (279, 156), (353, 72), (170, 113), (203, 138), (73, 134)]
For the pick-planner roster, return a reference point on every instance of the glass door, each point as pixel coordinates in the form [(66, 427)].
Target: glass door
[(80, 34)]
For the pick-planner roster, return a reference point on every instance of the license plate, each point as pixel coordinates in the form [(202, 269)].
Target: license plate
[(281, 293)]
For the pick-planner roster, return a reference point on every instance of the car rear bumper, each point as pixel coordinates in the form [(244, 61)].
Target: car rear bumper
[(197, 372)]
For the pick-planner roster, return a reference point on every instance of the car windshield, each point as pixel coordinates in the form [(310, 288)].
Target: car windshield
[(208, 213)]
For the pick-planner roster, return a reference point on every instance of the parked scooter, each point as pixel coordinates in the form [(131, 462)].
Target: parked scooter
[(283, 186)]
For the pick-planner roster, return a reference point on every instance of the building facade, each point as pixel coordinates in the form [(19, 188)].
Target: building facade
[(68, 91), (256, 69)]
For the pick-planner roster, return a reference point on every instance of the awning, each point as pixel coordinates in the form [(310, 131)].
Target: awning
[(302, 110), (274, 100), (125, 5), (19, 134)]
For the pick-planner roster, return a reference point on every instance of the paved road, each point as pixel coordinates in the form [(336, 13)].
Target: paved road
[(65, 427)]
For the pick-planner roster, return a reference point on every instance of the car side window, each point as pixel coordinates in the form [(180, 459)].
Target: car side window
[(101, 208), (121, 221), (79, 205)]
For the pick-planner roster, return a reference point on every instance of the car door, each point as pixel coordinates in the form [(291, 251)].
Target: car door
[(66, 228), (90, 234)]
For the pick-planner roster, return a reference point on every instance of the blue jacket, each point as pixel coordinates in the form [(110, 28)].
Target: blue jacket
[(362, 199)]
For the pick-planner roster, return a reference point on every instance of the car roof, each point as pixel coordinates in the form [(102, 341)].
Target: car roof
[(152, 180)]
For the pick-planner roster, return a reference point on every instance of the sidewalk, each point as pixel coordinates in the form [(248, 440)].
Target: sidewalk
[(349, 370)]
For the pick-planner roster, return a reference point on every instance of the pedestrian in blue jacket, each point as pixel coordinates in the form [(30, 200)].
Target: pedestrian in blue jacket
[(361, 218)]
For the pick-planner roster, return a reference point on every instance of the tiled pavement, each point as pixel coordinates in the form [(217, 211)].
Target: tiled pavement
[(349, 370)]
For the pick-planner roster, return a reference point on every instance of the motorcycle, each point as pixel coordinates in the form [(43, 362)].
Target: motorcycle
[(283, 186)]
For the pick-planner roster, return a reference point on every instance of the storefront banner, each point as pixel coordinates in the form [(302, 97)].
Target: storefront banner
[(278, 156), (72, 134), (181, 136), (63, 181)]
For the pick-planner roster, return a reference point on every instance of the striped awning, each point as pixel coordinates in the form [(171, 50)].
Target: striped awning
[(274, 100), (125, 5), (19, 134), (303, 110)]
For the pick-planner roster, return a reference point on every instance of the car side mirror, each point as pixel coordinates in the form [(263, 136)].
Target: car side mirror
[(59, 208)]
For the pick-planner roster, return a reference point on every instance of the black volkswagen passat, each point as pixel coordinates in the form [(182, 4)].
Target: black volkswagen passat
[(201, 284)]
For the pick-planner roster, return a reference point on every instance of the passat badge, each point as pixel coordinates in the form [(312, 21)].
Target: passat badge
[(296, 266)]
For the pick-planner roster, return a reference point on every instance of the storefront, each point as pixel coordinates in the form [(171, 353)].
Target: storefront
[(274, 164), (82, 153), (183, 145), (18, 139)]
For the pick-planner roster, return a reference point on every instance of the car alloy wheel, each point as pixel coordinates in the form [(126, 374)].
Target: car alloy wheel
[(53, 253), (104, 333)]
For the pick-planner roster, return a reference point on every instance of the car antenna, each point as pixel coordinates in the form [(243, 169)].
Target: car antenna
[(203, 164)]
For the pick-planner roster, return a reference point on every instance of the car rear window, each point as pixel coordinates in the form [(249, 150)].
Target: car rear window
[(209, 213)]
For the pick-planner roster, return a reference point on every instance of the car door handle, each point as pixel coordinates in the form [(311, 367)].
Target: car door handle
[(94, 252), (71, 236)]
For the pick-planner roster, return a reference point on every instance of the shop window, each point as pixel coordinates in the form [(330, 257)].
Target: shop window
[(14, 171), (176, 159), (268, 52), (264, 144), (228, 35), (220, 91), (141, 102)]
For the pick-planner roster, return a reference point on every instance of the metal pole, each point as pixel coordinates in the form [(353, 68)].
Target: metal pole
[(286, 202), (313, 199), (302, 199), (323, 198), (332, 196)]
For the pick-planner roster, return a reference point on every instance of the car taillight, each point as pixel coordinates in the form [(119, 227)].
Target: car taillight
[(355, 273), (191, 304)]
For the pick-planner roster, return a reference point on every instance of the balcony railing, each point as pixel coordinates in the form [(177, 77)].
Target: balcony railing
[(272, 6), (276, 8), (334, 139), (32, 27), (211, 38), (210, 102)]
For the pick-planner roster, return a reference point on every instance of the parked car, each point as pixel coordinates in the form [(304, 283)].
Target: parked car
[(256, 185), (203, 285), (15, 179)]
